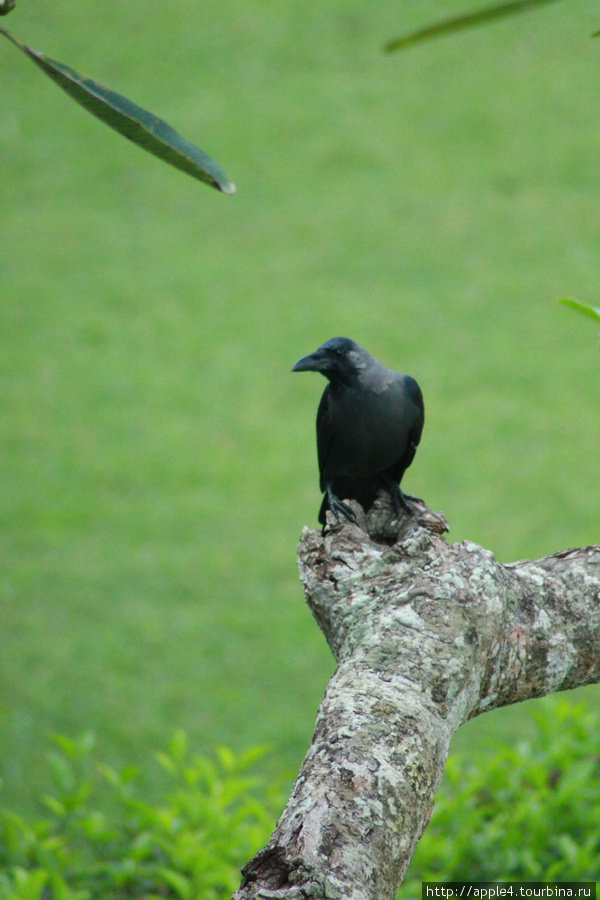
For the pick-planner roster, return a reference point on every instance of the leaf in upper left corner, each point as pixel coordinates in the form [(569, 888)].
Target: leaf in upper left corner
[(137, 124)]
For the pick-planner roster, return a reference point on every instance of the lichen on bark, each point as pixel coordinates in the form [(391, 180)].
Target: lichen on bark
[(426, 635)]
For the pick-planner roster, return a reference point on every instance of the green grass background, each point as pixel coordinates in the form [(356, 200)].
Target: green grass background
[(157, 456)]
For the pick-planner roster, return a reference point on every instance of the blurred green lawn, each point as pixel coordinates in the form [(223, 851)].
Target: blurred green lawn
[(158, 458)]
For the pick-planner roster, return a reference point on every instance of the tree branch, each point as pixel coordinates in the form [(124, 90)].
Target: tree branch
[(426, 635)]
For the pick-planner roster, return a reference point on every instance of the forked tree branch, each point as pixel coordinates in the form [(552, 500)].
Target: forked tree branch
[(426, 635)]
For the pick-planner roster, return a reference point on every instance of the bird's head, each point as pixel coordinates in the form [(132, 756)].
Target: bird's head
[(337, 359)]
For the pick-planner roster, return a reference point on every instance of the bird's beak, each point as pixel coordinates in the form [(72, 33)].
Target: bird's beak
[(315, 362)]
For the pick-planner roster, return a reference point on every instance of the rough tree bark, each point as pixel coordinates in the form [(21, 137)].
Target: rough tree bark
[(426, 635)]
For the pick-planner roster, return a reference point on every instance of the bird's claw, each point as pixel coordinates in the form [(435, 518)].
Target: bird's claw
[(337, 506), (400, 500)]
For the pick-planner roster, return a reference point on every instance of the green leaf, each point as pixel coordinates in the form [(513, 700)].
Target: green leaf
[(76, 749), (164, 760), (61, 890), (30, 884), (16, 834), (135, 123), (226, 759), (460, 23), (54, 805), (177, 882), (592, 312), (253, 754), (178, 746), (62, 771)]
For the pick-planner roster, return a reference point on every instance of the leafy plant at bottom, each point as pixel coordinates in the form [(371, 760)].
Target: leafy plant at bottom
[(529, 813), (192, 846)]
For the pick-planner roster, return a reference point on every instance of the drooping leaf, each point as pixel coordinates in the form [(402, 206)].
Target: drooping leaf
[(135, 123), (460, 23), (592, 312)]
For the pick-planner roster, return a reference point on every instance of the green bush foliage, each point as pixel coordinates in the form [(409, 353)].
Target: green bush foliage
[(531, 813), (101, 839), (528, 813)]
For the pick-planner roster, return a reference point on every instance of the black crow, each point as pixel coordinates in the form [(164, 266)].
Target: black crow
[(369, 424)]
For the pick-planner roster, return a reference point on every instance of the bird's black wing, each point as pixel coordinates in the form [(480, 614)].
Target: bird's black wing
[(414, 392), (415, 430), (324, 435)]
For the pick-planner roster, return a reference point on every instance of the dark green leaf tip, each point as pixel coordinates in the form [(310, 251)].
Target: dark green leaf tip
[(460, 23), (6, 6)]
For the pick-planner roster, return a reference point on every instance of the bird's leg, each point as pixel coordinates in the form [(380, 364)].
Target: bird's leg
[(399, 499), (337, 506)]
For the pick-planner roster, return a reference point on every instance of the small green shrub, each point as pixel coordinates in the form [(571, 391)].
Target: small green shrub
[(86, 847), (530, 813)]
